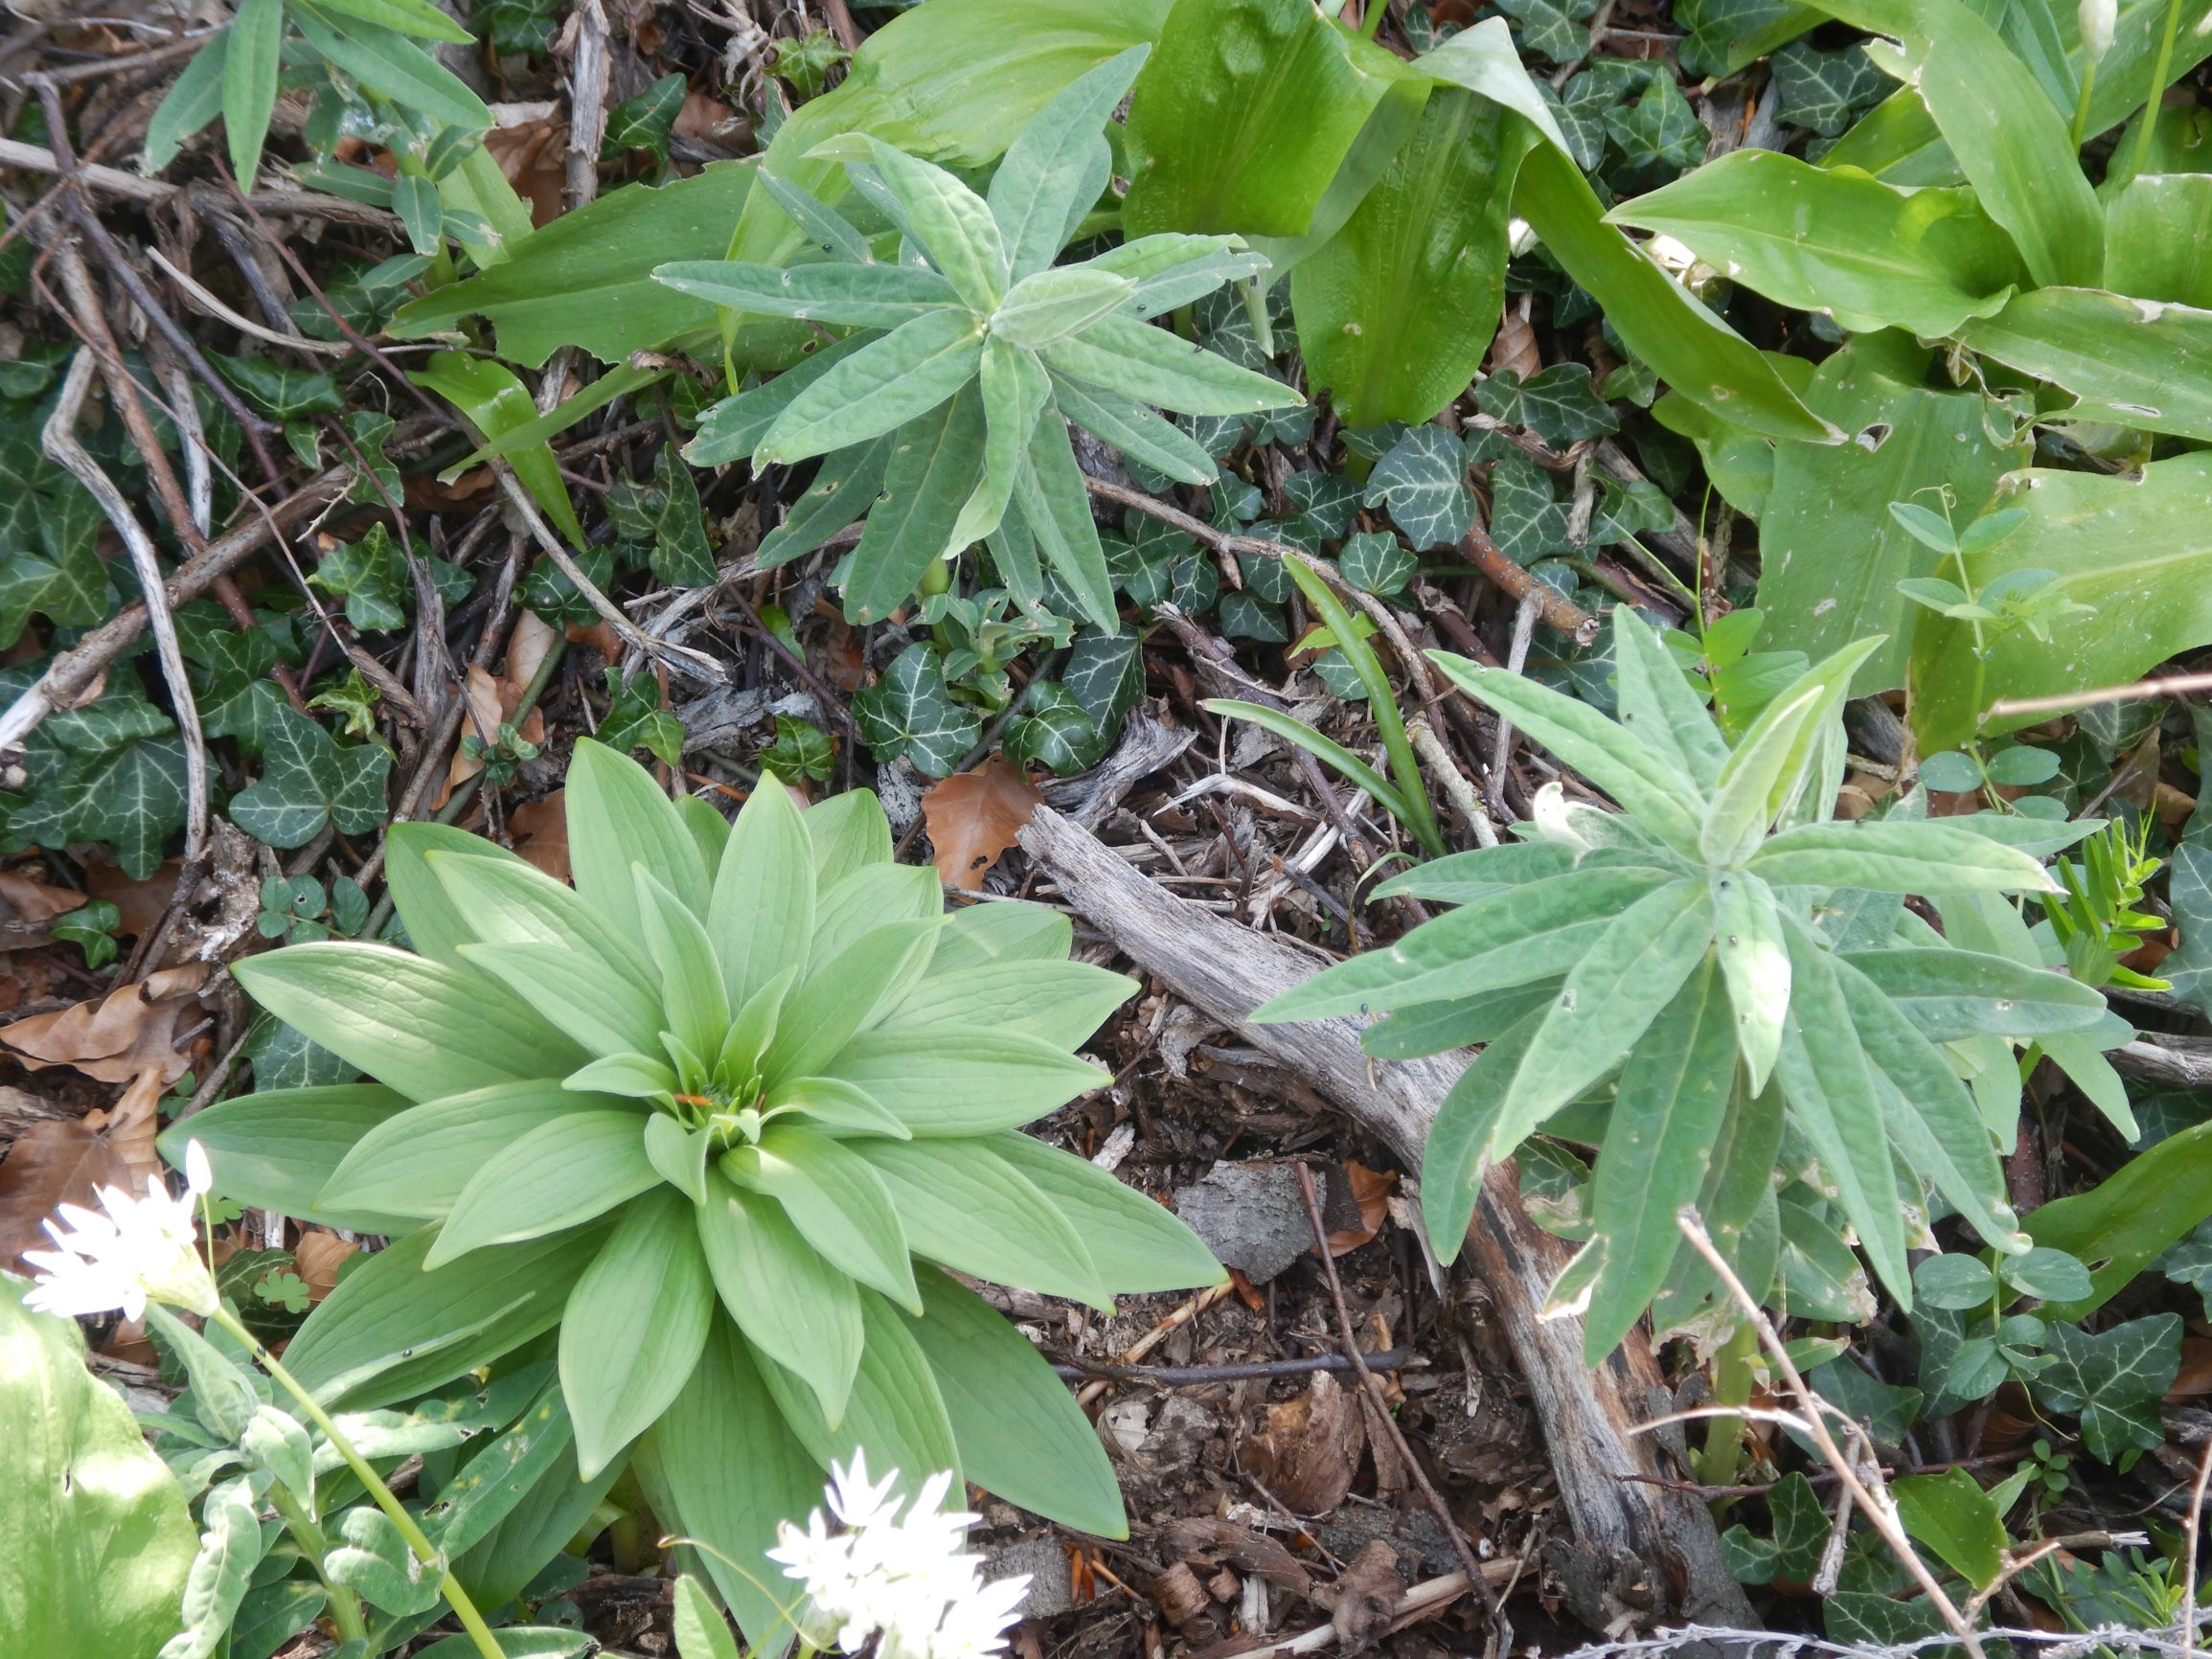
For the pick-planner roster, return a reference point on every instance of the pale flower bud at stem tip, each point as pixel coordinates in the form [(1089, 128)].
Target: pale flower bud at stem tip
[(2098, 19), (198, 1177)]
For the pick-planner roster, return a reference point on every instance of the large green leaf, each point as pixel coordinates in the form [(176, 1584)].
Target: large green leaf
[(1455, 1154), (980, 1216), (897, 1415), (791, 1303), (1137, 1245), (618, 817), (606, 1014), (1658, 319), (823, 1014), (95, 1540), (873, 295), (1833, 554), (1062, 1002), (2136, 550), (907, 373), (419, 1026), (433, 921), (496, 402), (1950, 994), (2011, 144), (761, 913), (734, 1471), (250, 68), (1896, 858), (835, 1199), (416, 1163), (962, 1081), (1395, 310), (1537, 931), (1239, 119), (505, 901), (586, 279), (1667, 1116), (2129, 362), (1020, 1433), (564, 1172), (2152, 1201), (276, 1149), (391, 1329), (1833, 240), (633, 1327), (2159, 238)]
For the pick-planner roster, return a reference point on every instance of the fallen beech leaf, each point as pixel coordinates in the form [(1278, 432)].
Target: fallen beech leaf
[(36, 901), (51, 1163), (493, 701), (130, 1030), (1308, 1452), (130, 1125), (540, 830), (705, 119), (142, 903), (1514, 346), (598, 637), (318, 1256), (532, 155), (1366, 1596), (973, 818), (1370, 1189)]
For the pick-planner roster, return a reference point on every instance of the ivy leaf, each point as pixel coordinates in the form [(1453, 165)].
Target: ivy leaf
[(372, 575), (801, 754), (644, 121), (278, 390), (1659, 130), (548, 591), (1527, 519), (2189, 895), (1424, 480), (1623, 513), (284, 1059), (805, 64), (1825, 91), (1580, 110), (2113, 1381), (1557, 403), (48, 539), (909, 714), (635, 718), (230, 682), (1106, 676), (1714, 26), (523, 28), (1244, 615), (1327, 499), (381, 485), (1546, 31), (2188, 1263), (1054, 731), (307, 780), (664, 517), (1373, 562)]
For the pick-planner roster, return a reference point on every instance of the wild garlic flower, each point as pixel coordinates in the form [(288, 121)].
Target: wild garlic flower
[(2098, 19), (141, 1250), (907, 1582)]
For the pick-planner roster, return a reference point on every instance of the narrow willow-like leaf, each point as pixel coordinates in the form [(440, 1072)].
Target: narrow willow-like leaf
[(935, 469), (1896, 858), (1951, 994), (1141, 361), (1657, 704), (1041, 189), (1453, 1160), (1055, 506), (1325, 749), (733, 429), (1462, 877), (1609, 998), (1672, 1098), (1771, 766), (1435, 1028), (845, 486), (879, 388), (873, 296), (953, 223), (193, 99), (1755, 962), (1141, 434), (827, 228), (1052, 305), (1015, 392), (250, 67)]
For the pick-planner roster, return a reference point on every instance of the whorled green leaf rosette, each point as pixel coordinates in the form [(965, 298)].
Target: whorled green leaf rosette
[(721, 1112)]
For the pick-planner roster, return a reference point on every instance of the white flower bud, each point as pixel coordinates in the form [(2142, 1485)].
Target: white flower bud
[(2097, 19)]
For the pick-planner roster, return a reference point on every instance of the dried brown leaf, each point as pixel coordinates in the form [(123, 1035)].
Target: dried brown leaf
[(142, 903), (1307, 1451), (51, 1164), (131, 1030), (493, 700), (540, 830), (318, 1256), (130, 1125), (1366, 1595), (973, 818)]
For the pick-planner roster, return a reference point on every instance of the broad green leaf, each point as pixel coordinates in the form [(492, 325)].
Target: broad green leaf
[(609, 1016), (617, 817), (1055, 506), (2157, 238), (1062, 1002), (1772, 766), (230, 1549), (1462, 877), (2130, 362), (951, 221), (432, 919), (761, 914), (1824, 1074), (2150, 605), (701, 1632), (1611, 996), (250, 67), (980, 1216), (391, 1330), (1658, 319), (586, 277), (697, 1008), (1241, 118), (1137, 432), (1135, 1244), (2125, 1221), (883, 385), (935, 464), (1455, 1154), (276, 1150), (835, 1199), (1658, 704), (961, 1080), (1050, 175), (1833, 240), (416, 17), (1000, 931), (1755, 963), (420, 1027), (194, 99), (874, 896), (1950, 994), (496, 401), (1835, 552), (1667, 1116), (95, 1541), (1931, 1117), (1153, 365), (840, 995), (565, 1171), (2011, 144), (790, 1303), (679, 1155), (1021, 1435), (1394, 309), (875, 296), (1896, 858), (1951, 1515), (1537, 931), (725, 1420), (1650, 784), (503, 901), (635, 1328), (415, 1163)]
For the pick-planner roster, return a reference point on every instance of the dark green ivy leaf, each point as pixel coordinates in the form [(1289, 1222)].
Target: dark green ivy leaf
[(644, 121), (2113, 1381), (1659, 131), (1106, 676), (1054, 731), (1557, 403), (663, 519), (278, 390), (801, 754), (1528, 521), (910, 713), (636, 720), (1826, 91), (1373, 562), (1546, 29), (518, 27), (307, 780), (1424, 480)]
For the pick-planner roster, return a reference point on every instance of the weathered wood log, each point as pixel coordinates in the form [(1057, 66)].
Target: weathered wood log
[(1628, 1531)]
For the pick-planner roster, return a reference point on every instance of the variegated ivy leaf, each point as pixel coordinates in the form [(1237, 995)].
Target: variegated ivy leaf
[(909, 714), (308, 779), (1825, 91), (980, 306), (1558, 404), (1424, 480)]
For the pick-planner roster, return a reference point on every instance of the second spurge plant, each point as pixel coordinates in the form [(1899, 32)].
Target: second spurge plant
[(722, 1111)]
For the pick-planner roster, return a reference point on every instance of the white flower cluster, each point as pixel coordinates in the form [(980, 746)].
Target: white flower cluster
[(907, 1582), (141, 1250)]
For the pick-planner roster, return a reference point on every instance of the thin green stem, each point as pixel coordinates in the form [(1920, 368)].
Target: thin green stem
[(1371, 17), (2160, 69), (464, 1609), (2081, 129), (345, 1605)]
